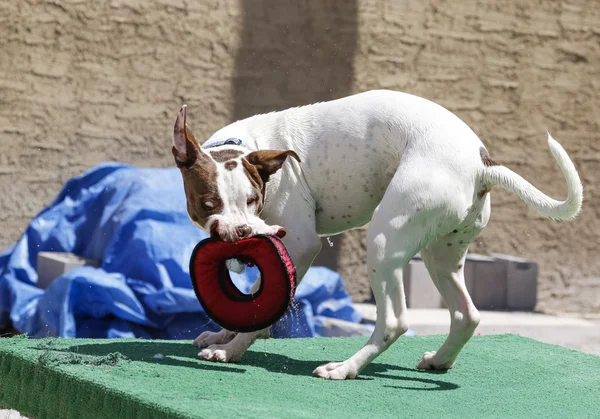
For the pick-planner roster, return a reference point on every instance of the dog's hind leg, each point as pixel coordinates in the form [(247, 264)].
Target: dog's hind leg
[(398, 229), (445, 261)]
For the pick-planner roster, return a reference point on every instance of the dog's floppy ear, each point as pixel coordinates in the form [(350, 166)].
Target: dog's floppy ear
[(268, 162), (185, 147)]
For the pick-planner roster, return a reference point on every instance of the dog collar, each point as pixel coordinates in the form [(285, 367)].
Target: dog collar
[(229, 141)]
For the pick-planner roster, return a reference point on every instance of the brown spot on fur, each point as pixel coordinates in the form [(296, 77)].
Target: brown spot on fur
[(485, 158), (222, 156), (482, 192), (230, 165)]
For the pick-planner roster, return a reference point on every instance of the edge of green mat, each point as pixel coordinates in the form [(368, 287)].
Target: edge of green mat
[(40, 377), (49, 398)]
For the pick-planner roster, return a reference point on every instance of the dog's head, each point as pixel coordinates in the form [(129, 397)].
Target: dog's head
[(225, 185)]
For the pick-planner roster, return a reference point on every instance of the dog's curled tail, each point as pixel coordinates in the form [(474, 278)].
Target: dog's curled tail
[(557, 210)]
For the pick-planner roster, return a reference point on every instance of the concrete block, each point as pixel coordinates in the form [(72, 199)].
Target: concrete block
[(486, 282), (497, 282), (331, 327), (420, 290), (521, 282), (51, 265)]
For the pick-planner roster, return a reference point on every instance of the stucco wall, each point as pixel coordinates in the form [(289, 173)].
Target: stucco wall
[(83, 82)]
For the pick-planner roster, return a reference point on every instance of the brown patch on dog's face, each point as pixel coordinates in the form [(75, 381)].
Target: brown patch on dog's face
[(258, 185), (230, 165), (485, 158), (198, 171), (222, 156), (200, 186)]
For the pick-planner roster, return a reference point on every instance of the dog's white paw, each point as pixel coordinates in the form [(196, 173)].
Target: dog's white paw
[(431, 362), (235, 265), (336, 371), (207, 338), (273, 230), (221, 353)]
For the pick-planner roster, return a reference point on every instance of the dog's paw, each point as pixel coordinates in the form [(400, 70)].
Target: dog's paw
[(272, 230), (336, 371), (431, 362), (207, 338), (221, 353), (235, 265)]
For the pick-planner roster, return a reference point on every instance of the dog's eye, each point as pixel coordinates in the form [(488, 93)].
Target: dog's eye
[(208, 205), (252, 200)]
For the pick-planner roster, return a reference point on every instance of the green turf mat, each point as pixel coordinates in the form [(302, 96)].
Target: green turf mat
[(496, 376)]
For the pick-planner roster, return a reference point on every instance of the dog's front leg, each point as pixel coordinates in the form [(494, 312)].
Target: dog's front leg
[(303, 244), (209, 338), (228, 346)]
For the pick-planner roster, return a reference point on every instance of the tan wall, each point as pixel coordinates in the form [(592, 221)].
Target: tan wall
[(84, 82)]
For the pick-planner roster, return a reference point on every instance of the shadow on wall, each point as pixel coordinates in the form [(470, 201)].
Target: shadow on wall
[(295, 53)]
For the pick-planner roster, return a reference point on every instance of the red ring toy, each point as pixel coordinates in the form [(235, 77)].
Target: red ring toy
[(223, 302)]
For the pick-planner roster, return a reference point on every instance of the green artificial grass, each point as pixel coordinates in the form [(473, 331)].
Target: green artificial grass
[(496, 376)]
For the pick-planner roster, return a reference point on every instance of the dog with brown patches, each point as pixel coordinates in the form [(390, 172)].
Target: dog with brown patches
[(410, 168)]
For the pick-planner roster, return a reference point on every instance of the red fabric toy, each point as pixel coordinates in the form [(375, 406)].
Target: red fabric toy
[(223, 301)]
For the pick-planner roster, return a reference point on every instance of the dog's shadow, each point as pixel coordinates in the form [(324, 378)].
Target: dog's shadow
[(182, 354), (283, 364)]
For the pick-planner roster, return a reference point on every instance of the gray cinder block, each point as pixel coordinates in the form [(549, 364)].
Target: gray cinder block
[(497, 282), (420, 290), (521, 282), (486, 282), (51, 265), (331, 327)]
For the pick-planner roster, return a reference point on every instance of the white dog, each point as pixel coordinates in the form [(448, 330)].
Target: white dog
[(411, 168)]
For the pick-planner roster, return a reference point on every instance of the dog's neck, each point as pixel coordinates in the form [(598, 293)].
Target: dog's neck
[(258, 132)]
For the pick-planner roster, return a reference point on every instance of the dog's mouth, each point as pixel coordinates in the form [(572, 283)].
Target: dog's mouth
[(243, 232)]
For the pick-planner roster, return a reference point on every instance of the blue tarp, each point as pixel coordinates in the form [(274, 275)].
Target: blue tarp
[(133, 220)]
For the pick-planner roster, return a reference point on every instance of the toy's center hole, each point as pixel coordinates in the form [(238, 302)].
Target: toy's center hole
[(239, 281)]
